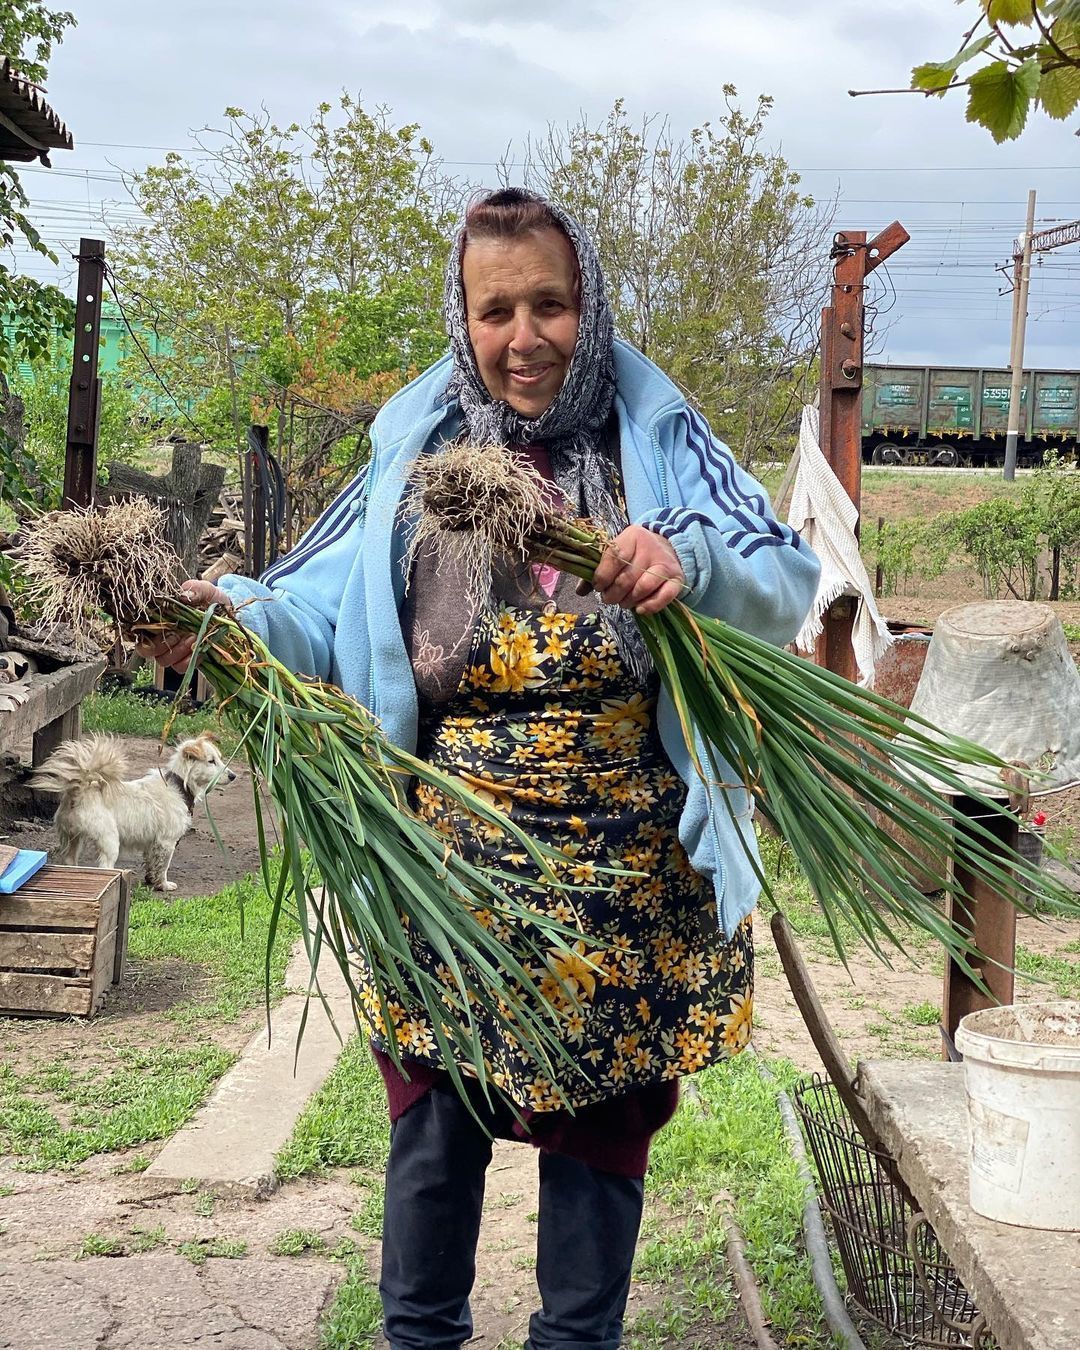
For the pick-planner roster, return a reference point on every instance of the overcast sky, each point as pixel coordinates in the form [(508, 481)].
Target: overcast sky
[(479, 75)]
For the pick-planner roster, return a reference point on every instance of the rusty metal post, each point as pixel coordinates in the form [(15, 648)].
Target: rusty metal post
[(84, 395), (990, 918), (842, 324), (258, 448)]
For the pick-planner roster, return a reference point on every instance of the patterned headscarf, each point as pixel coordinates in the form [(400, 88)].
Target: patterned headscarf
[(573, 428)]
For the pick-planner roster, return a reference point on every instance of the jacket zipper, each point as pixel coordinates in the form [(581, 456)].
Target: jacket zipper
[(661, 467)]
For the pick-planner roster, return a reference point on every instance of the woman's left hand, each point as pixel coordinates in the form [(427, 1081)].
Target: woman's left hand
[(639, 571)]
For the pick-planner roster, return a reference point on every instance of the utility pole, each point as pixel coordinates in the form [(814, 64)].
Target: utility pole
[(842, 325), (1020, 303), (84, 394)]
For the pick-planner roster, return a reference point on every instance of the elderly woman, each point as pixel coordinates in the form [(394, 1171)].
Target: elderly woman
[(545, 699)]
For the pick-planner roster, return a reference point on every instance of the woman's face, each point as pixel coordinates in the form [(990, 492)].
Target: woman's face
[(522, 306)]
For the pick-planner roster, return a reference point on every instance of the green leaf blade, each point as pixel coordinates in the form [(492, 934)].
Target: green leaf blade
[(1059, 91), (1000, 98), (1011, 12)]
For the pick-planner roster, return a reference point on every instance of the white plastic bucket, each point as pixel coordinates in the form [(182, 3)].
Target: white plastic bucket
[(1022, 1070)]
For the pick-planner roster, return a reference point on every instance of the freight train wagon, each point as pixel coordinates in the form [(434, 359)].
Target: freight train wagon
[(959, 415)]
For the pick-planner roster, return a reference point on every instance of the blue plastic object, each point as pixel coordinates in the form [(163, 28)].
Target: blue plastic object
[(21, 868)]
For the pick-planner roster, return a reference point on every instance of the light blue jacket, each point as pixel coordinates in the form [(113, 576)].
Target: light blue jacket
[(333, 603)]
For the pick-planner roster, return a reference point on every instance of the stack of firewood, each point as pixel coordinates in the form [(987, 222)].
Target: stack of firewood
[(221, 548)]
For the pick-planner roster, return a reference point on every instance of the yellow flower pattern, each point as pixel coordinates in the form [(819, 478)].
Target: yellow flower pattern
[(547, 727)]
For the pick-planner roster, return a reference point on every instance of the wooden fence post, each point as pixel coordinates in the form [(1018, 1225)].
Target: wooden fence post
[(84, 395)]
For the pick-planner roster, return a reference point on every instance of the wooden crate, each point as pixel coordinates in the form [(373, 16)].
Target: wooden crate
[(63, 941)]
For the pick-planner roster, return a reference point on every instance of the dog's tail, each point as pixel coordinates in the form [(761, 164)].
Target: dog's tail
[(89, 765)]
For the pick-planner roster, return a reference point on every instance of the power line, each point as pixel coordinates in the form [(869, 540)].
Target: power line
[(146, 355)]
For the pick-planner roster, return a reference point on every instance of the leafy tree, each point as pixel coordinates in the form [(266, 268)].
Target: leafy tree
[(31, 309), (1052, 493), (714, 254), (28, 32), (1017, 55), (282, 257), (1004, 540), (905, 549), (124, 426)]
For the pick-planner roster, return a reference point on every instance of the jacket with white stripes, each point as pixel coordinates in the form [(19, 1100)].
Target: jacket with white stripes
[(331, 607)]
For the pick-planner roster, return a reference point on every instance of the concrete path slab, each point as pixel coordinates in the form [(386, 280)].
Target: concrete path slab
[(229, 1145), (150, 1302)]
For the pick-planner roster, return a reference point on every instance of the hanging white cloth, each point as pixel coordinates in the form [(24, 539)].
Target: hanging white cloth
[(826, 517)]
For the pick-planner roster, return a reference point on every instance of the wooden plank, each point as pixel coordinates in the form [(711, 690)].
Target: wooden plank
[(110, 906), (49, 697), (46, 951), (48, 911), (76, 882), (122, 919), (55, 995), (101, 975)]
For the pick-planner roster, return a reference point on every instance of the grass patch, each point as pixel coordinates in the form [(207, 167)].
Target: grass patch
[(355, 1315), (96, 1244), (147, 1239), (369, 1218), (345, 1124), (298, 1242), (225, 934), (148, 1096), (732, 1140), (507, 1201), (199, 1250), (126, 714), (139, 1163), (1060, 976), (925, 1014), (904, 492)]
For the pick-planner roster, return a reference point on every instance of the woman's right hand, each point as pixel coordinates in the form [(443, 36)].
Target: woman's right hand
[(174, 649)]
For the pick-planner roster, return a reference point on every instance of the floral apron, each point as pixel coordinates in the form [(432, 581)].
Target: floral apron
[(546, 725)]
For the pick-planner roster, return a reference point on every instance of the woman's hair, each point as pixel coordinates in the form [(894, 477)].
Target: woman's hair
[(509, 213)]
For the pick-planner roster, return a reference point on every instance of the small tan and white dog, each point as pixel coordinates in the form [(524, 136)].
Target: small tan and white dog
[(107, 814)]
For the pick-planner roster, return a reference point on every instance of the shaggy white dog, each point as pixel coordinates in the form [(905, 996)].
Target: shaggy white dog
[(103, 811)]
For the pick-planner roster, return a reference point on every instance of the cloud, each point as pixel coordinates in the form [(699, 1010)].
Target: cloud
[(566, 15), (479, 76), (474, 96)]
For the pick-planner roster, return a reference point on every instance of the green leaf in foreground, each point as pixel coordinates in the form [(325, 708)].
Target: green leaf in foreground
[(1009, 11), (999, 97), (1059, 91), (934, 77)]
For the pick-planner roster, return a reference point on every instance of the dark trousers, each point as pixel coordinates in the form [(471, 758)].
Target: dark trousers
[(586, 1234)]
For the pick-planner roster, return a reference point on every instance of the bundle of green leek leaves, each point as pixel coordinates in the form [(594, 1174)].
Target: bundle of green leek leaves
[(826, 760), (359, 869)]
